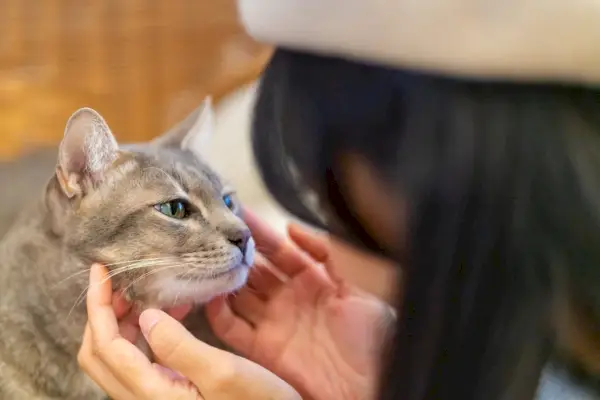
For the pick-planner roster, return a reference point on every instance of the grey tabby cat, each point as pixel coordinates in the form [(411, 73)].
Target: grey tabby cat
[(157, 216)]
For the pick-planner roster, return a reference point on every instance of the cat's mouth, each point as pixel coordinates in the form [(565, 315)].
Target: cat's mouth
[(247, 260), (176, 290), (199, 288), (223, 274)]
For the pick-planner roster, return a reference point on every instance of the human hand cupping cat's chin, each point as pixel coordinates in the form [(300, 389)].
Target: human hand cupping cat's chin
[(123, 371), (297, 317)]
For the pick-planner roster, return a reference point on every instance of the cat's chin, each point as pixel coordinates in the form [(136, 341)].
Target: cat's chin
[(174, 291)]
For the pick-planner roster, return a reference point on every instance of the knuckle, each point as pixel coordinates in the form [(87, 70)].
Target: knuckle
[(100, 349), (97, 349)]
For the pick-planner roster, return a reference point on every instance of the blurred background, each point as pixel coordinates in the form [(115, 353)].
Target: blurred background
[(143, 64)]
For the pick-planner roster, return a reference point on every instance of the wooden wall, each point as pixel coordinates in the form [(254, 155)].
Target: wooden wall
[(143, 64)]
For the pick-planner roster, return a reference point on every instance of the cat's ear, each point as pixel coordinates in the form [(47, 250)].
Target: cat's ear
[(86, 151), (193, 133)]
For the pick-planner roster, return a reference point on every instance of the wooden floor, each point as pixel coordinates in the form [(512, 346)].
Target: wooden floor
[(143, 64)]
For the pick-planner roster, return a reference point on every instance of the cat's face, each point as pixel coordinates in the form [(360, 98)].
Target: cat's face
[(161, 220)]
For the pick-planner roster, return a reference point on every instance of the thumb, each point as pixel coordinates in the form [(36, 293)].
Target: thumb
[(175, 347), (221, 372)]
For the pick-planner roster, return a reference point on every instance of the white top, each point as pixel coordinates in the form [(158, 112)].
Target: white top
[(552, 40)]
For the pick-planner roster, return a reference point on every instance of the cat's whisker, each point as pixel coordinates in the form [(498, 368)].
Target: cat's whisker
[(187, 283), (188, 273), (87, 270), (81, 296), (128, 262), (147, 274), (79, 300), (171, 264), (137, 265), (154, 271), (179, 291), (134, 265), (136, 260)]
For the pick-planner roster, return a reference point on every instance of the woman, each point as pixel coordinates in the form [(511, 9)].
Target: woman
[(478, 176)]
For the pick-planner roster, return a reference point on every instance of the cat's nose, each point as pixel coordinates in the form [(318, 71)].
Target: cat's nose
[(239, 238)]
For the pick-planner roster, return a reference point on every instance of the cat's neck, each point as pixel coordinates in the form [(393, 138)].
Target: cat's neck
[(42, 278), (41, 322)]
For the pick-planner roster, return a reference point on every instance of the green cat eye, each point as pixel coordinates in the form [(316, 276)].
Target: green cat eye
[(177, 209)]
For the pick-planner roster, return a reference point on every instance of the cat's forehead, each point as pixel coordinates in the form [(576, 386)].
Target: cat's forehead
[(159, 164)]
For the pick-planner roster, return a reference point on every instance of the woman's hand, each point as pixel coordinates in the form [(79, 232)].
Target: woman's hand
[(204, 372), (300, 321)]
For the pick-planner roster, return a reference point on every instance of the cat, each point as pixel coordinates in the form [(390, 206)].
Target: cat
[(161, 220)]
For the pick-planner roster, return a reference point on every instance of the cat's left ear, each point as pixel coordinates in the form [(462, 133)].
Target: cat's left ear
[(86, 152), (193, 133)]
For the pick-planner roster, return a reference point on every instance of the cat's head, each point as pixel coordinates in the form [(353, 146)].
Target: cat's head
[(155, 214)]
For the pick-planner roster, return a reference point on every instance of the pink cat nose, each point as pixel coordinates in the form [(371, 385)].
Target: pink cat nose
[(240, 238)]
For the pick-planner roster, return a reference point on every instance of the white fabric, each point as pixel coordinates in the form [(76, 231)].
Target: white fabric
[(556, 40)]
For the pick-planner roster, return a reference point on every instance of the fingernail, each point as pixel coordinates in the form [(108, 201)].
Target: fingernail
[(148, 319)]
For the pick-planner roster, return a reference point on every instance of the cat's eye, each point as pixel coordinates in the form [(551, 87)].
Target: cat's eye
[(177, 209), (228, 200)]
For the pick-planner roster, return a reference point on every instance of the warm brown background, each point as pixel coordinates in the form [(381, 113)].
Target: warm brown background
[(143, 64)]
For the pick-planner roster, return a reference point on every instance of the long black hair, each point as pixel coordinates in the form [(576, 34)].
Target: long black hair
[(502, 182)]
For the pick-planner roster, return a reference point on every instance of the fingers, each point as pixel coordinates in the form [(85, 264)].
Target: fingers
[(229, 327), (128, 328), (120, 306), (280, 252), (317, 246), (265, 237), (180, 351), (263, 280), (247, 305), (217, 373), (172, 386), (99, 304), (107, 350), (296, 256), (98, 372), (309, 241)]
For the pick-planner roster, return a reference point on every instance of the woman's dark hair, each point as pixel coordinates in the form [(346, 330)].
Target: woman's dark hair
[(502, 182)]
